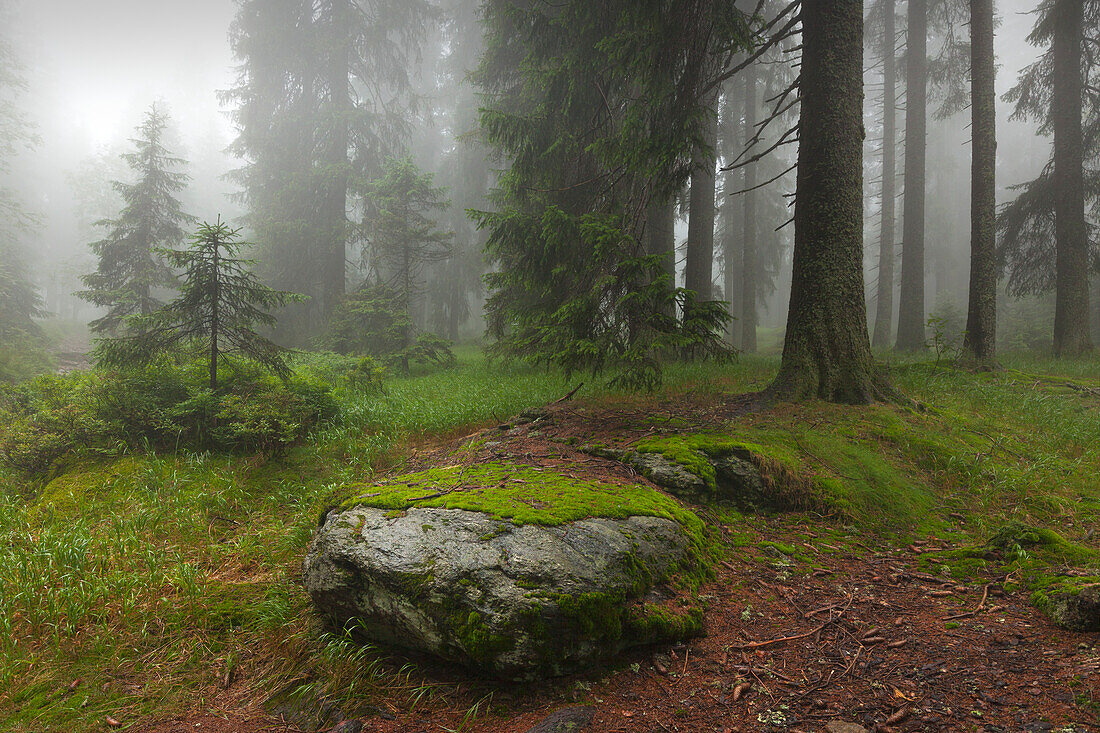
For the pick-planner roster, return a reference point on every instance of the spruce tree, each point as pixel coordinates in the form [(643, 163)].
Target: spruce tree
[(220, 305), (980, 341), (131, 269), (911, 316), (884, 290), (403, 235), (322, 96), (827, 352), (20, 301), (599, 125), (1047, 243)]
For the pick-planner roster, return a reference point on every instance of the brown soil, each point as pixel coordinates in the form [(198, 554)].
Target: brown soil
[(863, 636)]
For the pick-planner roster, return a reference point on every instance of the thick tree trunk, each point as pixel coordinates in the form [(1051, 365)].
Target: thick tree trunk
[(660, 236), (827, 352), (980, 342), (698, 273), (911, 316), (748, 253), (884, 299), (1071, 309), (334, 205)]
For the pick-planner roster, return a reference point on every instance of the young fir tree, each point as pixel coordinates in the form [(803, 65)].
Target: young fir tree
[(403, 237), (1046, 240), (218, 309), (601, 119), (827, 351), (130, 267)]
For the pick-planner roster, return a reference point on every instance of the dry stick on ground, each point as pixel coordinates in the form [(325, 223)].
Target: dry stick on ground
[(780, 640), (976, 611)]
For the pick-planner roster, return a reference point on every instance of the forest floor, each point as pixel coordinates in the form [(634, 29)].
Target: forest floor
[(808, 623), (861, 616)]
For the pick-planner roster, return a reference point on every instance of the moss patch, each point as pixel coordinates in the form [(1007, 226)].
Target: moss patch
[(1032, 552), (522, 495)]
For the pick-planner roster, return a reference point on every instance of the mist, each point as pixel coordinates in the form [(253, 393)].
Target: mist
[(93, 70)]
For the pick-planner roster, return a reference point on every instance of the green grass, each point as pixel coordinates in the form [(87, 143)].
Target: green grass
[(150, 576)]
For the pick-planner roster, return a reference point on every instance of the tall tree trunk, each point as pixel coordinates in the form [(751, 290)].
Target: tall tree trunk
[(731, 255), (661, 237), (884, 299), (334, 206), (1094, 302), (911, 318), (1071, 309), (827, 352), (698, 273), (981, 321), (748, 254)]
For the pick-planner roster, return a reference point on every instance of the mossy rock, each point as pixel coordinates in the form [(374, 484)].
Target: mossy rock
[(1071, 601), (708, 468), (516, 572), (1073, 604)]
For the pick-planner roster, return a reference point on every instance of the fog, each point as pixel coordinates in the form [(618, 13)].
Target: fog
[(94, 68)]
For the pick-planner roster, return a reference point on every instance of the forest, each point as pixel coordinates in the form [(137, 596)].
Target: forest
[(550, 366)]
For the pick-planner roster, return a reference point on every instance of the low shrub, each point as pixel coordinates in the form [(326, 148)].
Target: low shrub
[(165, 406)]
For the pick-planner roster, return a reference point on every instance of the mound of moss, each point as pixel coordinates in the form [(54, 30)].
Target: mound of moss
[(521, 494), (1063, 576)]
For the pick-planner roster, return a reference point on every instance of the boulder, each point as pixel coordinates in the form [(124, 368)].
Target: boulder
[(718, 474), (672, 477), (1076, 609), (516, 600)]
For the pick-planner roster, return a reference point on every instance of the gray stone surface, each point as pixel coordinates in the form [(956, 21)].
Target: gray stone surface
[(1076, 611), (737, 479), (518, 601), (671, 476), (567, 720)]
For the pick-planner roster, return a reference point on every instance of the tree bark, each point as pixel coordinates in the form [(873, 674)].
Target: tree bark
[(731, 256), (334, 206), (911, 315), (661, 236), (884, 298), (827, 352), (748, 253), (980, 342), (698, 272), (1071, 309)]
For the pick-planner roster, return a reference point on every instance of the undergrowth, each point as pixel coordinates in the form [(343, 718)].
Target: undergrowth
[(152, 579)]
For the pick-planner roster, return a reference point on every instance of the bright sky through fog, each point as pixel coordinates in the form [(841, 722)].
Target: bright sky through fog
[(99, 63)]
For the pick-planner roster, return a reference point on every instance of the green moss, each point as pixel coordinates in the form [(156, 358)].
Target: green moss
[(608, 617), (656, 623), (521, 495), (691, 452), (598, 615), (478, 640), (780, 546)]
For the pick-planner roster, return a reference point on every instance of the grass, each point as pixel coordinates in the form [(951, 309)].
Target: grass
[(149, 578)]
